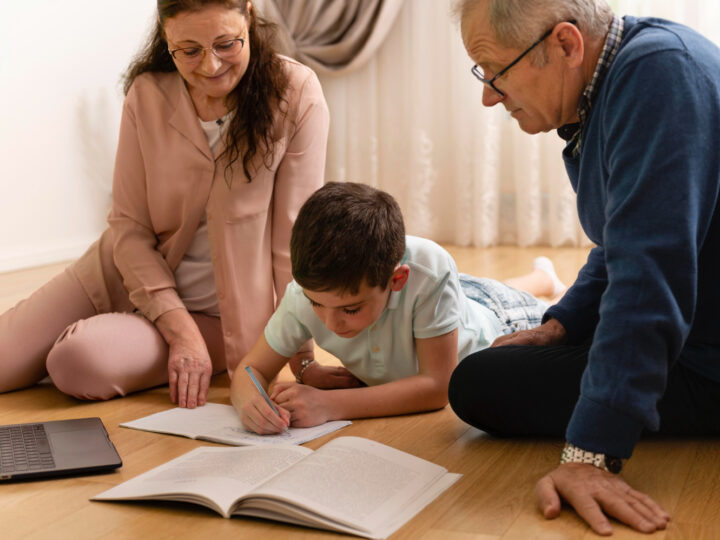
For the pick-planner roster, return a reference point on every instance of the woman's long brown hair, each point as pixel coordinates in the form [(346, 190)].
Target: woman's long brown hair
[(256, 97)]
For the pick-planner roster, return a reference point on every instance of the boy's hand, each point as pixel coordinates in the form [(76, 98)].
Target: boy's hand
[(329, 377), (256, 415), (307, 406)]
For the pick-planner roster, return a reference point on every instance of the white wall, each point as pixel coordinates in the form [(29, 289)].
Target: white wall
[(60, 102)]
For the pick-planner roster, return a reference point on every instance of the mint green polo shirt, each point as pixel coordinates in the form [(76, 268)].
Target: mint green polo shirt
[(431, 304)]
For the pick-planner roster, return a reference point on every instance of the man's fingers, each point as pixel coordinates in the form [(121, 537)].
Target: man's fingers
[(634, 509), (656, 509), (547, 497), (589, 509), (627, 511)]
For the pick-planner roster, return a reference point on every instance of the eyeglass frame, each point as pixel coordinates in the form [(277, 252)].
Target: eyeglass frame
[(203, 49), (475, 70)]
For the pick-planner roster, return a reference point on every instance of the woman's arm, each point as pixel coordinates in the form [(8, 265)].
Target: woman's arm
[(146, 274), (300, 173)]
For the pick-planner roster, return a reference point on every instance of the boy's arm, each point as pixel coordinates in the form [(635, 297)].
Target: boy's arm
[(254, 411), (437, 357)]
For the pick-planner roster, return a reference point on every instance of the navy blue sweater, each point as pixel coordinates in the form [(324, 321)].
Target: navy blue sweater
[(647, 181)]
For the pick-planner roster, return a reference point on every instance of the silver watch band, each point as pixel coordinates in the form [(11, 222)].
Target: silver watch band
[(304, 363), (573, 454)]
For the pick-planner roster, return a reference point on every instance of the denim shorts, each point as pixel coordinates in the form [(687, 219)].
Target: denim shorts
[(515, 310)]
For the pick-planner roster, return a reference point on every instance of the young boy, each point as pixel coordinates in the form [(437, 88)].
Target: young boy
[(393, 309)]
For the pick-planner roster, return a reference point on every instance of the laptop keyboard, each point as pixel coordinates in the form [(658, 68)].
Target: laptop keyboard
[(24, 448)]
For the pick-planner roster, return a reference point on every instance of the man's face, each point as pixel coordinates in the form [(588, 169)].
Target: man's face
[(533, 95)]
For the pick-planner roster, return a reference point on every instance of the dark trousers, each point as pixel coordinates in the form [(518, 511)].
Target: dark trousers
[(532, 391)]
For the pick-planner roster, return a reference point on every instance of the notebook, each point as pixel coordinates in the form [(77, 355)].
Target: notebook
[(62, 447)]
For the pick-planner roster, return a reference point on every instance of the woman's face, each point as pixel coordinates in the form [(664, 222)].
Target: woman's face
[(197, 33)]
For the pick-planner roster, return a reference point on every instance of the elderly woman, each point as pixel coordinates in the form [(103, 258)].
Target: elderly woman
[(221, 141)]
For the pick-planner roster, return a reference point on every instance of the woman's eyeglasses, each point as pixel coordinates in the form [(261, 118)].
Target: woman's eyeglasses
[(225, 50)]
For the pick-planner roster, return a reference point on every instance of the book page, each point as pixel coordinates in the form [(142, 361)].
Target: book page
[(359, 482), (220, 423), (220, 475)]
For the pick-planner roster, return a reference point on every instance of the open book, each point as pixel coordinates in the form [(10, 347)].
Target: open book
[(350, 484), (220, 423)]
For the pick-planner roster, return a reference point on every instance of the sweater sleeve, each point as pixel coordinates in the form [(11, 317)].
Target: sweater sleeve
[(658, 124), (578, 309), (145, 272), (299, 174)]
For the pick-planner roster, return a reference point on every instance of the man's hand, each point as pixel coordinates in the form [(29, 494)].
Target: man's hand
[(545, 335), (307, 406), (329, 377), (593, 492)]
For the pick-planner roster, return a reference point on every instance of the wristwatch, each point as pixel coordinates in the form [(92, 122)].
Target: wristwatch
[(573, 454), (304, 363)]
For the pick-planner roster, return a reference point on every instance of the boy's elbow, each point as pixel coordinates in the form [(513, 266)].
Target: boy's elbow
[(437, 400)]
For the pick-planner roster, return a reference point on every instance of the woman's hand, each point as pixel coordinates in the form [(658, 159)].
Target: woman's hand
[(189, 372), (329, 377), (189, 364)]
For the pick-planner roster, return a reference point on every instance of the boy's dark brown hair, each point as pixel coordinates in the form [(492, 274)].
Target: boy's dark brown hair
[(346, 233)]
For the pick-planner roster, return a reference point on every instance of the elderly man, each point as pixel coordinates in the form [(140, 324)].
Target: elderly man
[(633, 347)]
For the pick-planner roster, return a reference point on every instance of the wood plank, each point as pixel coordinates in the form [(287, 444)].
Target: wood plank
[(493, 500)]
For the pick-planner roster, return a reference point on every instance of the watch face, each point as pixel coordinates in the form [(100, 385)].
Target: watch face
[(613, 464)]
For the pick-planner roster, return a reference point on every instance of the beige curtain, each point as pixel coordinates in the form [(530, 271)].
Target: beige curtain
[(330, 36)]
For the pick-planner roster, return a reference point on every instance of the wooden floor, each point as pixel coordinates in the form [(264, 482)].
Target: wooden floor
[(494, 498)]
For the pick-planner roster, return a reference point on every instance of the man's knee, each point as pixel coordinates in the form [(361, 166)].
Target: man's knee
[(477, 392)]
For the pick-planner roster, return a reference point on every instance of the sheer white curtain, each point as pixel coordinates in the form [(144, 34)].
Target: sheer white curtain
[(411, 122)]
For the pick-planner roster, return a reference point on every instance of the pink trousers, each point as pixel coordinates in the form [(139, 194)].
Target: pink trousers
[(57, 331)]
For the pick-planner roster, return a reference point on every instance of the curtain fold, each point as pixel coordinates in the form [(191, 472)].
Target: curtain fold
[(331, 36), (410, 121)]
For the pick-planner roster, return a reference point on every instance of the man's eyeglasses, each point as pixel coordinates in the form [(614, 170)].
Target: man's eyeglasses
[(225, 50), (478, 71)]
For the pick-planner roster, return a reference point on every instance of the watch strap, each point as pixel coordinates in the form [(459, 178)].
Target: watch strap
[(574, 454), (304, 363)]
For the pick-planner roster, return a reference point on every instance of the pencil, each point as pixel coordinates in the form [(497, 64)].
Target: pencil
[(261, 390)]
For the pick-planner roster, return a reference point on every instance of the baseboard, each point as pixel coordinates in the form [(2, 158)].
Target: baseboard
[(42, 255)]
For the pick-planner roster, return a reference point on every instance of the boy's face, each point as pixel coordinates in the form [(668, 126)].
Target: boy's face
[(348, 314)]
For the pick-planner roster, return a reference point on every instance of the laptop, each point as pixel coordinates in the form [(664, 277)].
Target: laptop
[(63, 447)]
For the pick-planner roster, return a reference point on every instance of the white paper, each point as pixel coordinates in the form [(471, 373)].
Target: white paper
[(220, 423)]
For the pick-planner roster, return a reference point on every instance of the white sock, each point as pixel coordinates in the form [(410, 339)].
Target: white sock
[(546, 265)]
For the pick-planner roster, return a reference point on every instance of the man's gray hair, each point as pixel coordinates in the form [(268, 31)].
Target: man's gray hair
[(518, 23)]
